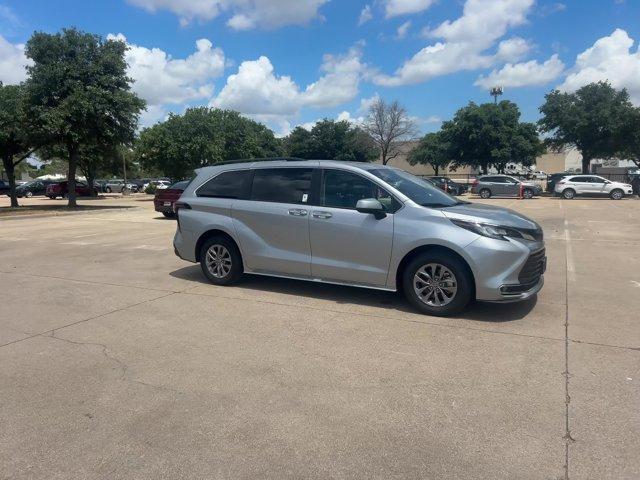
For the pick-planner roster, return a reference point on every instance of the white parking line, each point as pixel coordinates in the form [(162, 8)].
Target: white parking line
[(571, 269), (88, 235)]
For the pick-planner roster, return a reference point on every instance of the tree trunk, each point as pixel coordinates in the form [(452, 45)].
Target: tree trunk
[(586, 165), (9, 167), (436, 168), (485, 168), (71, 176), (91, 177)]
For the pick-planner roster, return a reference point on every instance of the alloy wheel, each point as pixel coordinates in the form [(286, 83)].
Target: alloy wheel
[(435, 285), (218, 261)]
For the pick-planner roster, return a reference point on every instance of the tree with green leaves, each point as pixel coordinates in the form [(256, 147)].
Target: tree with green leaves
[(490, 134), (16, 140), (590, 119), (332, 140), (78, 94), (432, 150), (200, 137)]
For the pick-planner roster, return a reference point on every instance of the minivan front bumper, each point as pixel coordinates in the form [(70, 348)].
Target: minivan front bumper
[(506, 270), (508, 296)]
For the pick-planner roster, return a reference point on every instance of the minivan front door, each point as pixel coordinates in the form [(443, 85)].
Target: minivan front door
[(273, 225), (346, 245)]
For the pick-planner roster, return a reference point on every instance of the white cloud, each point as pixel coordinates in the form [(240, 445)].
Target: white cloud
[(403, 30), (610, 58), (161, 79), (523, 74), (340, 82), (464, 42), (365, 15), (393, 8), (13, 62), (244, 14), (257, 90), (512, 50)]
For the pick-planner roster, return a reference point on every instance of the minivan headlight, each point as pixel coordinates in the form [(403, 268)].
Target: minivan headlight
[(494, 231)]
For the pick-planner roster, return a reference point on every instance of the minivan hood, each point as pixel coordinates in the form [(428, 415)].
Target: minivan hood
[(480, 213)]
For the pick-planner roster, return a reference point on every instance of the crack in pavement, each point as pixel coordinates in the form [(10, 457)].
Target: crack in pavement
[(93, 282), (47, 333), (570, 274), (124, 368), (186, 291)]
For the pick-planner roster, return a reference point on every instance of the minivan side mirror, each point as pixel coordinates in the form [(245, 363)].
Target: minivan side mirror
[(372, 206)]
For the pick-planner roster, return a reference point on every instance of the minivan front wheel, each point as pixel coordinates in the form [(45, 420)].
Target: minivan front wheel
[(220, 261), (437, 284)]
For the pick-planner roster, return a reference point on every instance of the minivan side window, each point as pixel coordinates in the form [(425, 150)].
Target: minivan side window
[(232, 184), (282, 185), (342, 189)]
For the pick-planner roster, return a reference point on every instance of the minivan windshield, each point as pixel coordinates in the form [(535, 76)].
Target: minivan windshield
[(420, 191)]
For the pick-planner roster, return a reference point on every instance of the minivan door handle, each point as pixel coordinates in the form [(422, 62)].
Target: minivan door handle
[(298, 212), (322, 215)]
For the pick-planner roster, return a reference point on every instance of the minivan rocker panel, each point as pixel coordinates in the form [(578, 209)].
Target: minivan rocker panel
[(357, 224)]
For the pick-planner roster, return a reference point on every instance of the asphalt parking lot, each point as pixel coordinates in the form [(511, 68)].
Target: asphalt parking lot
[(117, 360)]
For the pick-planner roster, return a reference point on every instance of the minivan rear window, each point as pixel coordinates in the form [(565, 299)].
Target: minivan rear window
[(282, 185), (233, 184)]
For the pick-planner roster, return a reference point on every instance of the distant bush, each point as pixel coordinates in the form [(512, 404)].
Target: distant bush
[(151, 189)]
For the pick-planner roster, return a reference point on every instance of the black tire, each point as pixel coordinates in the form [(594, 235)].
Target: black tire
[(527, 194), (235, 271), (52, 197), (485, 193), (616, 194), (169, 214), (568, 193), (460, 272), (28, 194), (107, 190)]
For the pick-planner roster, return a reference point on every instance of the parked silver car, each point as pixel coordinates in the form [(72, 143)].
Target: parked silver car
[(357, 224), (118, 185), (591, 185), (489, 186)]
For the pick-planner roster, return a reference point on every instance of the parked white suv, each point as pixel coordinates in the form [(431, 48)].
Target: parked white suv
[(591, 185)]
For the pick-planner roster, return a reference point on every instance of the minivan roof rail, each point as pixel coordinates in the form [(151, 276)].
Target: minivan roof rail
[(266, 159)]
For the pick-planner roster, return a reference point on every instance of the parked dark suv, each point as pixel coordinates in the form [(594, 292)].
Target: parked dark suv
[(4, 187), (35, 187), (447, 185)]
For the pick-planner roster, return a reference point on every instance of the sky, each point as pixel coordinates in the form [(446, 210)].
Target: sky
[(292, 62)]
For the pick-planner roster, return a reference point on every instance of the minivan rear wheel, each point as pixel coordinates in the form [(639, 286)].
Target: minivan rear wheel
[(485, 193), (437, 283), (220, 261)]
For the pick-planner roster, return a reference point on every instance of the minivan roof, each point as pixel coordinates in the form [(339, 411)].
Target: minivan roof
[(286, 161)]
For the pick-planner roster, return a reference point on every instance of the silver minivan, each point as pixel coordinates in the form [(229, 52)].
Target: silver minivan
[(358, 224)]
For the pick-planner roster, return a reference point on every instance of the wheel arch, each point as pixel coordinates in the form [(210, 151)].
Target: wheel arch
[(431, 248), (214, 232)]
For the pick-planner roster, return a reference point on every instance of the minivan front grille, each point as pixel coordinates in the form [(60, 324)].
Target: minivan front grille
[(533, 268)]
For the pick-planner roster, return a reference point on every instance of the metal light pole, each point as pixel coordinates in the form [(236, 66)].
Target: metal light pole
[(495, 93)]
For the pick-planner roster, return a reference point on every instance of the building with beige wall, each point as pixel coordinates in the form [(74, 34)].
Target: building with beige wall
[(568, 160)]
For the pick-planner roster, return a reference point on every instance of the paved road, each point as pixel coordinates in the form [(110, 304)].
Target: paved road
[(118, 361)]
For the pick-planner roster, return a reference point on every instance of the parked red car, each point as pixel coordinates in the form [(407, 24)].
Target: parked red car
[(61, 189), (164, 199)]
